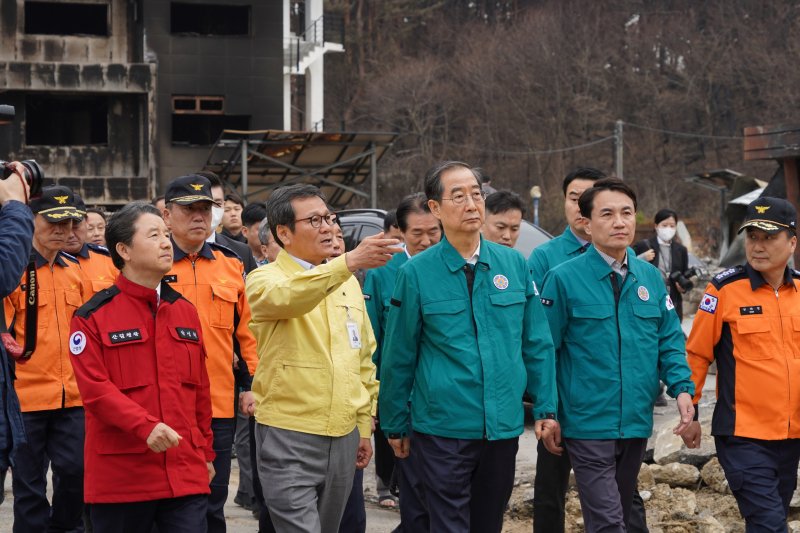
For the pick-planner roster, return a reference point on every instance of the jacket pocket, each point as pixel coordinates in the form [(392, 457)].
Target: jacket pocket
[(796, 336), (128, 362), (754, 339), (188, 355), (504, 299), (198, 439), (593, 311), (301, 388), (223, 306)]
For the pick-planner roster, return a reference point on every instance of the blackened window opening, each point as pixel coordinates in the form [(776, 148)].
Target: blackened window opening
[(65, 18), (66, 120), (204, 130), (209, 19)]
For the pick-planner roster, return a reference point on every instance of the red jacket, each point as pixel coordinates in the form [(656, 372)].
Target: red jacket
[(138, 363)]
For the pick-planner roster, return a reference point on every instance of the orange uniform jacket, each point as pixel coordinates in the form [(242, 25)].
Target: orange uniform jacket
[(47, 380), (753, 332), (97, 269), (214, 283)]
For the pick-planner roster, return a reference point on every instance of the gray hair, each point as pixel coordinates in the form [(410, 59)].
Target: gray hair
[(433, 178)]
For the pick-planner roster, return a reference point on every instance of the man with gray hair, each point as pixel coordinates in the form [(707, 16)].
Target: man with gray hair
[(315, 384)]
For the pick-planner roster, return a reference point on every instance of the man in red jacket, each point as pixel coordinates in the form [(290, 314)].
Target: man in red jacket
[(137, 350)]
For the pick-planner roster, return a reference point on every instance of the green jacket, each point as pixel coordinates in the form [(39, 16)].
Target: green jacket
[(610, 357), (553, 253), (378, 286), (467, 362)]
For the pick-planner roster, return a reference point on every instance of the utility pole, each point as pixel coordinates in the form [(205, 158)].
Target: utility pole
[(618, 149)]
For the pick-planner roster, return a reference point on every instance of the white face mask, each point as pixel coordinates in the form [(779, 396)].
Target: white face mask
[(665, 234), (216, 216)]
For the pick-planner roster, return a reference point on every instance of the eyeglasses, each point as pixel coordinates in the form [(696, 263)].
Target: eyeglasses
[(316, 220), (460, 198)]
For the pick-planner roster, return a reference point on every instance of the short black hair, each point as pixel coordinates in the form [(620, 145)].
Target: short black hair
[(253, 213), (586, 201), (212, 177), (98, 211), (157, 199), (390, 220), (584, 173), (122, 226), (413, 203), (279, 206), (433, 178), (504, 200), (664, 214), (235, 198)]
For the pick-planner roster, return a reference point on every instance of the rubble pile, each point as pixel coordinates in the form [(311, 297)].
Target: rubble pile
[(685, 491)]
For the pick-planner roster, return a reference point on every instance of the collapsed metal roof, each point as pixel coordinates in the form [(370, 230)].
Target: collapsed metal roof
[(255, 162)]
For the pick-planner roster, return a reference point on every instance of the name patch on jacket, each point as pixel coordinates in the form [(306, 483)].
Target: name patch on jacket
[(126, 335), (751, 310), (188, 334), (172, 278), (547, 302)]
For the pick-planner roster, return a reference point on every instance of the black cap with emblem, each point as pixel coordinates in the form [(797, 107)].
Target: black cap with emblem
[(188, 190), (56, 204), (771, 215)]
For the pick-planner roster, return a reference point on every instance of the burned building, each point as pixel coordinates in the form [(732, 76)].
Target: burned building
[(116, 97)]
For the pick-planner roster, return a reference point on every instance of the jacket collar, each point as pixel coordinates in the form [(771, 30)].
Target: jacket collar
[(601, 269), (453, 260), (84, 251), (757, 280), (286, 263), (571, 241), (41, 261), (178, 254)]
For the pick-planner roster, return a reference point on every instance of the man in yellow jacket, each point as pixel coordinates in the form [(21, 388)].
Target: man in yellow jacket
[(315, 385)]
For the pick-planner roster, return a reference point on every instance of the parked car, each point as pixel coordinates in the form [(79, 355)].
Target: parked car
[(357, 224)]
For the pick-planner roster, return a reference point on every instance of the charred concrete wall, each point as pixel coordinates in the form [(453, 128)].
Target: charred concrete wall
[(93, 83), (84, 100), (245, 69)]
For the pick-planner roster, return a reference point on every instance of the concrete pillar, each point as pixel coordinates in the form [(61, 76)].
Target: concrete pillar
[(315, 95)]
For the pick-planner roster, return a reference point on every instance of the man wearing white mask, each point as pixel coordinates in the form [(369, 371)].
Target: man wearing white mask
[(241, 249)]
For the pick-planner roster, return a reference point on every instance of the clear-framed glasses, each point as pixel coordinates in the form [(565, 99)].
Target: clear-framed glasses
[(460, 198), (316, 220)]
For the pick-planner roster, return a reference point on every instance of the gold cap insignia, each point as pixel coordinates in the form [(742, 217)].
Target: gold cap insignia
[(61, 199), (761, 209), (196, 186)]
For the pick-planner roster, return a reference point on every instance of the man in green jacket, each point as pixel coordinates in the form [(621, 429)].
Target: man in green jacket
[(615, 333), (419, 230), (466, 337)]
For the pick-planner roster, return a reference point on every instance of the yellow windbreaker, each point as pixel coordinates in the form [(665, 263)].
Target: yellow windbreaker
[(315, 343)]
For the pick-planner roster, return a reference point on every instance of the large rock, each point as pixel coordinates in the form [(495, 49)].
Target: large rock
[(676, 474), (714, 476), (669, 448), (709, 524), (666, 445), (794, 526), (676, 503), (646, 479)]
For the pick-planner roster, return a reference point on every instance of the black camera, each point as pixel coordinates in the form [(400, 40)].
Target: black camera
[(32, 172), (683, 279)]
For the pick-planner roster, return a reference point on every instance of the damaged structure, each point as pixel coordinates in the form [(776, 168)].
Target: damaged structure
[(116, 97)]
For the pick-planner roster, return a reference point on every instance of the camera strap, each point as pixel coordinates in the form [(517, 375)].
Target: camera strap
[(31, 308)]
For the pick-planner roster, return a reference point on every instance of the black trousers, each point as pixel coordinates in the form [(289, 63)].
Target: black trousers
[(606, 472), (413, 505), (550, 493), (56, 434), (186, 514), (222, 428), (762, 475), (384, 456), (467, 482), (354, 519)]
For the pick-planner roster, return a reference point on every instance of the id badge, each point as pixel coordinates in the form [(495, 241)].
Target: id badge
[(354, 334)]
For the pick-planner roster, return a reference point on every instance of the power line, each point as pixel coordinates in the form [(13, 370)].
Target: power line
[(532, 152), (682, 134)]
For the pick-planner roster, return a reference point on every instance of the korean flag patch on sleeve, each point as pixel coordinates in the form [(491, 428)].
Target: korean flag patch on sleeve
[(670, 305), (708, 303)]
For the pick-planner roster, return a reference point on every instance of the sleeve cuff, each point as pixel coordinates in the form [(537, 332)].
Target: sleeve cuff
[(696, 413)]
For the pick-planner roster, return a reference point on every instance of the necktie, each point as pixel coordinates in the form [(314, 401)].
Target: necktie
[(585, 247), (469, 272)]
